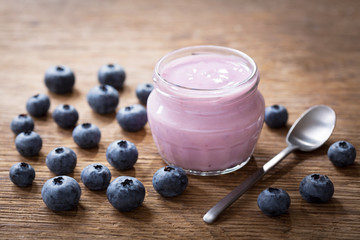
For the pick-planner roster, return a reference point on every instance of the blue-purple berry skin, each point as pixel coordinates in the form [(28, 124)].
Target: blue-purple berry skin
[(22, 123), (96, 176), (38, 105), (274, 201), (61, 160), (59, 79), (122, 154), (143, 91), (22, 174), (170, 181), (113, 75), (61, 193), (65, 116), (86, 135), (103, 99), (125, 193), (132, 118), (316, 188), (28, 143), (276, 116), (342, 153)]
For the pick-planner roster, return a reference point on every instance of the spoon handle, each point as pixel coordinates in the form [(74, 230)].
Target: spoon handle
[(229, 199)]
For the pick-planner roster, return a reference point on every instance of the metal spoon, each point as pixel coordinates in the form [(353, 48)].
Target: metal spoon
[(308, 133)]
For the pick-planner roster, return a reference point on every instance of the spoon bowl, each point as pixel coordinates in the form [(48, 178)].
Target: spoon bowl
[(311, 130)]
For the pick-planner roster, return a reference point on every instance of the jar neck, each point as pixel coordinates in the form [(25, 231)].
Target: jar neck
[(205, 74)]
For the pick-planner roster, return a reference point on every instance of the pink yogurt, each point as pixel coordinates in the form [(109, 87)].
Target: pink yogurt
[(206, 113)]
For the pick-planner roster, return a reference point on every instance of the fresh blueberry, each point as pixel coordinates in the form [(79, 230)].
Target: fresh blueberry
[(342, 153), (38, 105), (61, 193), (132, 118), (28, 143), (65, 116), (143, 91), (170, 181), (316, 188), (59, 79), (103, 99), (96, 176), (113, 75), (273, 201), (122, 154), (125, 193), (276, 116), (22, 174), (61, 160), (22, 123), (86, 135)]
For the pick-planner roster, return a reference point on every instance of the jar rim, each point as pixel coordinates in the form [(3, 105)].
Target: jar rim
[(205, 49)]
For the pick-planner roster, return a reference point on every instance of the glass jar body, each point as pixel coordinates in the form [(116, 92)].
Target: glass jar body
[(207, 132)]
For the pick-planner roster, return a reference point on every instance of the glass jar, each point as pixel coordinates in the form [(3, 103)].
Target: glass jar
[(206, 113)]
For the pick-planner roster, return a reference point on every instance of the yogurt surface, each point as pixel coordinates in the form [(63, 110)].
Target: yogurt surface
[(206, 71)]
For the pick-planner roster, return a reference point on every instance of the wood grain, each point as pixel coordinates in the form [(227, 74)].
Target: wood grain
[(307, 51)]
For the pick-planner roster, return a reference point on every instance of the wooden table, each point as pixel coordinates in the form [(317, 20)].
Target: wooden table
[(307, 52)]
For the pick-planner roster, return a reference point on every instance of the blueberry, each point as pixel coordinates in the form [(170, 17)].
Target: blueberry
[(122, 154), (273, 201), (22, 174), (103, 99), (86, 135), (38, 105), (61, 160), (22, 123), (113, 75), (96, 176), (132, 118), (342, 153), (65, 116), (316, 188), (61, 193), (143, 91), (28, 143), (276, 116), (170, 181), (59, 79), (125, 193)]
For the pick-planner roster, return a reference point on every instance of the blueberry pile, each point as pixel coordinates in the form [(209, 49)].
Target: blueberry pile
[(62, 193), (126, 193), (314, 188)]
